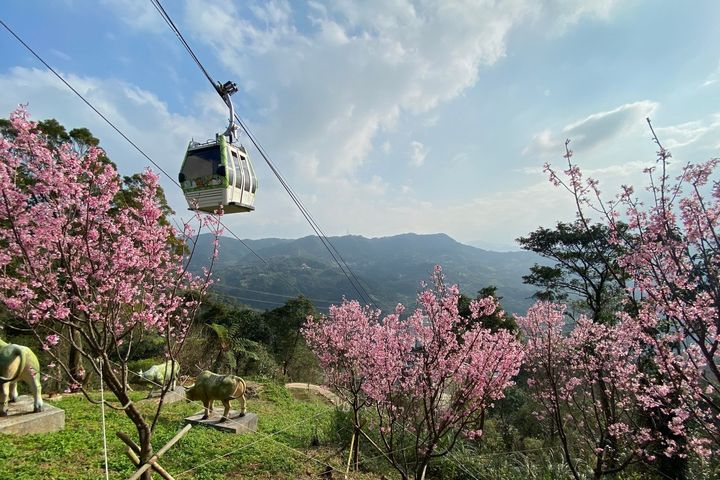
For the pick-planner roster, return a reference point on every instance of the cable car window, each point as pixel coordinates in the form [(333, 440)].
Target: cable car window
[(246, 174), (253, 178), (235, 169), (200, 168), (231, 170)]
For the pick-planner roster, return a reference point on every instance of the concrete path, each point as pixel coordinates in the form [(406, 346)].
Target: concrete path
[(317, 389)]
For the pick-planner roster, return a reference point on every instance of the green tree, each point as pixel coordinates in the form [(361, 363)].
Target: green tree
[(495, 321), (285, 322), (585, 272), (81, 141)]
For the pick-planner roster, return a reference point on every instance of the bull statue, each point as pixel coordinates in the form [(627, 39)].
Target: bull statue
[(157, 375), (210, 386), (18, 362)]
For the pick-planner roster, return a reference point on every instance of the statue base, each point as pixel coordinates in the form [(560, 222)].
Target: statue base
[(234, 424), (22, 421), (171, 396)]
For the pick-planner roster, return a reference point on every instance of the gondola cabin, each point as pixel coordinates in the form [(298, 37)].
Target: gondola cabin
[(218, 173)]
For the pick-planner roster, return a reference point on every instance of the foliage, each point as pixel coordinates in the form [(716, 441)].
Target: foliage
[(585, 269), (266, 343), (285, 322), (79, 265), (494, 321), (279, 450), (589, 388), (671, 253), (427, 385)]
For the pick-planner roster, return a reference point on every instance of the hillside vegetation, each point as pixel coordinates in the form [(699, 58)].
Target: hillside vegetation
[(389, 268)]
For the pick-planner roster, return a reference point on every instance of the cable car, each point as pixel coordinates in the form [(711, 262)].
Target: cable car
[(218, 172)]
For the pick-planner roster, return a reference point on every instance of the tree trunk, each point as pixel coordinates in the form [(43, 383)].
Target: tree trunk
[(143, 429), (75, 365), (356, 445), (422, 473)]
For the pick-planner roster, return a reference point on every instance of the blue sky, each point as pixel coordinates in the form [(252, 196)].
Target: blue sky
[(386, 116)]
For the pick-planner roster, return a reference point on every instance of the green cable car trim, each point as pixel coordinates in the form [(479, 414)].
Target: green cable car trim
[(224, 160)]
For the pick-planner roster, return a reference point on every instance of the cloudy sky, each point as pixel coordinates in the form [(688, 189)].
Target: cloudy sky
[(385, 116)]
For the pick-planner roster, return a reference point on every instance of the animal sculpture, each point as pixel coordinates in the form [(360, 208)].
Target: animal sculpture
[(210, 386), (157, 375), (18, 363)]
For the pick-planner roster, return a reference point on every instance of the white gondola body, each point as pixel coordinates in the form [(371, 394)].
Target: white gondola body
[(218, 173)]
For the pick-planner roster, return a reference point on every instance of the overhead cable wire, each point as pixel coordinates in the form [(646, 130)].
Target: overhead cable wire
[(311, 221), (161, 10), (100, 114), (347, 271)]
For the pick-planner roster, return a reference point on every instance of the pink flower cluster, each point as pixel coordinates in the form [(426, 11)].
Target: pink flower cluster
[(77, 251), (587, 380), (671, 240), (434, 367)]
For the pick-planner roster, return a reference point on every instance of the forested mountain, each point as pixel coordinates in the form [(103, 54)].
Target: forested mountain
[(389, 268)]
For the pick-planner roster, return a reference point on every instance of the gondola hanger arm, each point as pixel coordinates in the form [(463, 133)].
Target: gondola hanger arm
[(225, 91)]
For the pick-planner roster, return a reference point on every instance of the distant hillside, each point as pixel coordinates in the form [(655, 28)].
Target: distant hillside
[(390, 269)]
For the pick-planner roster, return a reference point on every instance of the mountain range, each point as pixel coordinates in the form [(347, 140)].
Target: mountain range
[(388, 270)]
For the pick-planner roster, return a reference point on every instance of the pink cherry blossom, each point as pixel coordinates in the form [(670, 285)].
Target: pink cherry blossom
[(671, 240), (79, 256), (428, 376)]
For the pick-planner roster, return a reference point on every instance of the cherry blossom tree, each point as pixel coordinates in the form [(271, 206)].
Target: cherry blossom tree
[(75, 258), (589, 388), (341, 342), (430, 377), (672, 247)]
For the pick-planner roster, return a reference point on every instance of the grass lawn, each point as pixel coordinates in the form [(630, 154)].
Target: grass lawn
[(282, 448)]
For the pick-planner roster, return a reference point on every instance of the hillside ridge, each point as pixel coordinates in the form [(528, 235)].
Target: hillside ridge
[(389, 268)]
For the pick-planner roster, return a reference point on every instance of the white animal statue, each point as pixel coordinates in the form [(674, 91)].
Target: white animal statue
[(157, 375), (18, 363), (210, 386)]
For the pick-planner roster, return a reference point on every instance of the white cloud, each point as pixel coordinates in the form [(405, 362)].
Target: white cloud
[(418, 153), (543, 143), (374, 206), (323, 80), (360, 66), (139, 14), (569, 12), (459, 159), (138, 113), (713, 78), (689, 133), (431, 121), (594, 130), (61, 55), (499, 217)]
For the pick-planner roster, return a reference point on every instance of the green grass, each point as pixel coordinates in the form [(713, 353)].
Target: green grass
[(280, 449)]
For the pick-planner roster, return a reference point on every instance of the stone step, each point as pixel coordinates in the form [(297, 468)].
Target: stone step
[(234, 424), (22, 421)]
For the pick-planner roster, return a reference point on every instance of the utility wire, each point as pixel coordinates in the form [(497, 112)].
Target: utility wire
[(236, 421), (67, 84), (316, 228), (271, 294), (276, 303), (347, 271), (122, 134), (158, 6)]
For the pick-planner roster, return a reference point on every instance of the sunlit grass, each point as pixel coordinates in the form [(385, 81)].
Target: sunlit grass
[(282, 448)]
